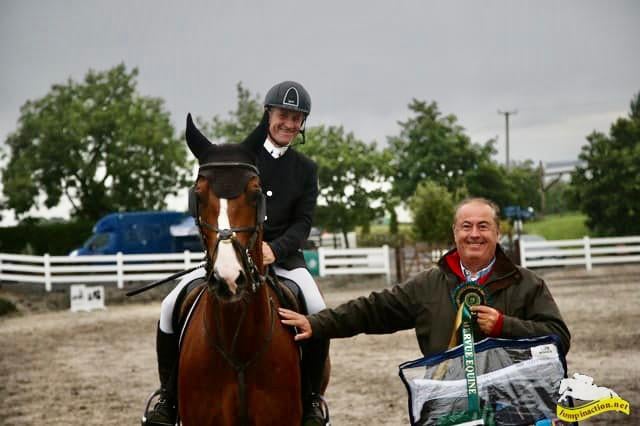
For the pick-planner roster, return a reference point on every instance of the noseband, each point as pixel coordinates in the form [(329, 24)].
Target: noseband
[(229, 187)]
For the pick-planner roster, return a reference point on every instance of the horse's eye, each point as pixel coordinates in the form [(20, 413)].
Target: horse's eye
[(253, 196)]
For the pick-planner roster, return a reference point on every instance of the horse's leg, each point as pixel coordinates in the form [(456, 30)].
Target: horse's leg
[(273, 383), (202, 375), (278, 402)]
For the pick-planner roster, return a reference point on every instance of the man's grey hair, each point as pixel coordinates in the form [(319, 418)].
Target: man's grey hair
[(469, 200)]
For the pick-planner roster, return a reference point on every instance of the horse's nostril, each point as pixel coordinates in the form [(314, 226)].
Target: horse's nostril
[(242, 279)]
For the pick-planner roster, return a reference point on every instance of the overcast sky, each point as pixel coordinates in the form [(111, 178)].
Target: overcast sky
[(567, 67)]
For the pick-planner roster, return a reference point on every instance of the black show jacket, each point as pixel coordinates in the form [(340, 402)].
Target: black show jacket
[(290, 184)]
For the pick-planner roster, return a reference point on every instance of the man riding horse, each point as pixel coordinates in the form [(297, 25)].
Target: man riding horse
[(290, 182)]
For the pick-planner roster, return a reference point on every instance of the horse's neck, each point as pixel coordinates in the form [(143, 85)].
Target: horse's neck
[(242, 324)]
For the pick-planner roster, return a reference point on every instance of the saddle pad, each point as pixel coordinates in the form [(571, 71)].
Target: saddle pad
[(188, 317)]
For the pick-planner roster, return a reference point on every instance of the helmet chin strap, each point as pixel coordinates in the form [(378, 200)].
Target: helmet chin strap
[(302, 130)]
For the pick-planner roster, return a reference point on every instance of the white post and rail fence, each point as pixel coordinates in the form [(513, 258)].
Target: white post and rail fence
[(64, 270), (355, 261), (120, 268), (585, 252)]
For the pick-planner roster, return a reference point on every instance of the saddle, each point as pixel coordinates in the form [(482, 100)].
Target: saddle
[(289, 295), (185, 301)]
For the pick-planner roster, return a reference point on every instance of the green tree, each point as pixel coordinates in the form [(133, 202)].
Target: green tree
[(432, 208), (517, 186), (351, 186), (524, 185), (608, 185), (489, 180), (560, 198), (241, 121), (433, 147), (99, 143), (387, 171)]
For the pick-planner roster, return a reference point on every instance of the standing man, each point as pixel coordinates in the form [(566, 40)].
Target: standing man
[(290, 182), (516, 302)]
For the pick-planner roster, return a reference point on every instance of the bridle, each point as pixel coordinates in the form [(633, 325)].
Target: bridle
[(229, 235)]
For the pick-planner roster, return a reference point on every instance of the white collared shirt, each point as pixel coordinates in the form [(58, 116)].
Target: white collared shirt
[(274, 150), (470, 276)]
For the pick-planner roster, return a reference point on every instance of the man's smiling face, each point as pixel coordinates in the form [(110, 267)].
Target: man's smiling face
[(284, 125), (476, 234)]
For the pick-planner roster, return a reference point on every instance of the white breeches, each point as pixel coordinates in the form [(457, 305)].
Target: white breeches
[(300, 276), (169, 302), (309, 288)]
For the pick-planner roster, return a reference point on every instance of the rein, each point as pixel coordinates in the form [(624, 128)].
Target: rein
[(239, 366)]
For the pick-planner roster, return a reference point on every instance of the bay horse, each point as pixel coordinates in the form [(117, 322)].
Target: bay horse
[(238, 364)]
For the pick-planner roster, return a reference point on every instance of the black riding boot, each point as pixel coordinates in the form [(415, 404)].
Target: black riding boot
[(314, 356), (165, 411)]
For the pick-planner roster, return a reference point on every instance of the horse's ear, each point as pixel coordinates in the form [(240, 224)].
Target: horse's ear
[(197, 142)]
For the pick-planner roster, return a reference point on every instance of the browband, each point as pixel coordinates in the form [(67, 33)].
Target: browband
[(220, 164)]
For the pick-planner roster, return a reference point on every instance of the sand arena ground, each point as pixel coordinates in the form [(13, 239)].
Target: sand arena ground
[(61, 368)]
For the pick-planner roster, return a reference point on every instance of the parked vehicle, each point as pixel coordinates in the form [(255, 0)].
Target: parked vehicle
[(136, 233), (534, 253), (186, 235)]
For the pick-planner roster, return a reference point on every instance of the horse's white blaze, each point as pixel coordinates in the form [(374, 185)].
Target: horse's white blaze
[(226, 265)]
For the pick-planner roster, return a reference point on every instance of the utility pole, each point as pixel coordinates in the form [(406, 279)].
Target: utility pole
[(506, 116)]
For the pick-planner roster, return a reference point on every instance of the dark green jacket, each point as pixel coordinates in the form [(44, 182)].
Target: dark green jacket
[(424, 302)]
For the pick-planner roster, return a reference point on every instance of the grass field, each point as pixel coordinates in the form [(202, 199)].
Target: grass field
[(559, 227), (553, 227)]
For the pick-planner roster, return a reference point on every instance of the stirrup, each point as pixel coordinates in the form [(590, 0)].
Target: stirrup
[(144, 421), (318, 401)]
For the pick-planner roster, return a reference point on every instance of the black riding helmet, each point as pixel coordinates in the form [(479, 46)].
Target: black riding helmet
[(289, 95)]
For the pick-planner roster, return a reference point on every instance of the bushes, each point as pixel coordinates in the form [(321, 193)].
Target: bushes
[(379, 235), (6, 307), (380, 239), (41, 238), (432, 207)]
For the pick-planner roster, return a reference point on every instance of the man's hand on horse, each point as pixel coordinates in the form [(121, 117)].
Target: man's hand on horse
[(487, 317), (299, 321), (267, 254)]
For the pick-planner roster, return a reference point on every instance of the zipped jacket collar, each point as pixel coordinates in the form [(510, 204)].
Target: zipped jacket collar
[(503, 274)]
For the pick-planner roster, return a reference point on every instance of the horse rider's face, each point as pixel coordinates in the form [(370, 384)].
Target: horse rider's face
[(476, 234), (284, 125)]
